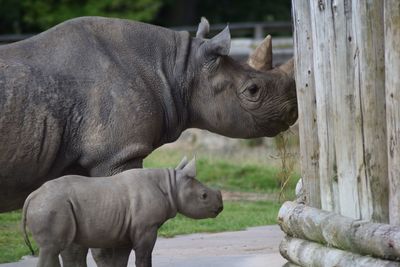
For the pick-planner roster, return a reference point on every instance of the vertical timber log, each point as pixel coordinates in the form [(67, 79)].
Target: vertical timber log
[(304, 72), (347, 54), (321, 36), (346, 112), (392, 69), (369, 65)]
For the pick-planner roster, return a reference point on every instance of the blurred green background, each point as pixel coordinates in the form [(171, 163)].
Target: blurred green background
[(30, 16)]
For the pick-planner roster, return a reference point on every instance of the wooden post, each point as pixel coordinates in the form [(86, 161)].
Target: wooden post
[(323, 84), (341, 54), (392, 69), (369, 65), (346, 108), (304, 72)]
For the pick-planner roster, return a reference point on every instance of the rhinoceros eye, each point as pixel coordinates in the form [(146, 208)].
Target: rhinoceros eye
[(253, 90), (251, 93), (204, 196)]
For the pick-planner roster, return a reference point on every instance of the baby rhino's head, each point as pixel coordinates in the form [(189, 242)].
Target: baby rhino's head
[(195, 200)]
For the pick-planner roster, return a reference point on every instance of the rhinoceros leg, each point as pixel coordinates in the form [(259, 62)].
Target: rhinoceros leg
[(74, 256), (144, 247), (101, 255), (48, 258), (116, 257)]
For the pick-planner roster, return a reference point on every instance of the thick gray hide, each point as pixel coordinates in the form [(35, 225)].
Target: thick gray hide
[(94, 96), (123, 211)]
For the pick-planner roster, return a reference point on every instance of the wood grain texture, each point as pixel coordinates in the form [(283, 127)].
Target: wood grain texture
[(392, 75), (341, 48), (304, 73), (321, 37), (306, 253), (362, 237), (369, 65)]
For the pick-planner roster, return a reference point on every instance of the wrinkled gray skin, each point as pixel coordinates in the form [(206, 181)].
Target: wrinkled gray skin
[(122, 212), (94, 96)]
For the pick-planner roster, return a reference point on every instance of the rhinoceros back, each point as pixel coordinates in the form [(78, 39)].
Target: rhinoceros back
[(65, 93)]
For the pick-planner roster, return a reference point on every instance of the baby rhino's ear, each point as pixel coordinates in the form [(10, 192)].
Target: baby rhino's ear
[(190, 168), (182, 164)]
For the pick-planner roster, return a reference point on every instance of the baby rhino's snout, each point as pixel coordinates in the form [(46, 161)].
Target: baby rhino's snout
[(220, 205)]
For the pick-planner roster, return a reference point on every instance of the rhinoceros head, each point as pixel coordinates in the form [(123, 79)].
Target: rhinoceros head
[(194, 199), (241, 100)]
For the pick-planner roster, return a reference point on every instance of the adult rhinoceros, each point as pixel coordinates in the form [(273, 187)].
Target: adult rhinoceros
[(94, 96)]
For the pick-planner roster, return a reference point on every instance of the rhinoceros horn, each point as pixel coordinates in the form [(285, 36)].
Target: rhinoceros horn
[(261, 58)]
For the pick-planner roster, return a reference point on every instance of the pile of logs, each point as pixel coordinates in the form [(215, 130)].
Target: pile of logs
[(321, 238)]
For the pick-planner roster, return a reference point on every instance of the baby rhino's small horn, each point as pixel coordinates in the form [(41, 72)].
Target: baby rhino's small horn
[(190, 168), (261, 58), (182, 164)]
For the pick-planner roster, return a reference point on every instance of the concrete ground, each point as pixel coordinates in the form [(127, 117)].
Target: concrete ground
[(254, 247)]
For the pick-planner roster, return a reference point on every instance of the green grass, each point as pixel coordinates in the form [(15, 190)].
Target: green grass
[(216, 173), (236, 216), (226, 175), (12, 245)]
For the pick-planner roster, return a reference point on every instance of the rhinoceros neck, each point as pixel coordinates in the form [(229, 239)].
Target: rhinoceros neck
[(176, 89), (168, 186)]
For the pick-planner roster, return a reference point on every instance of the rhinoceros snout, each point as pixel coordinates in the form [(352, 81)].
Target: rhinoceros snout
[(219, 205), (292, 115), (221, 208)]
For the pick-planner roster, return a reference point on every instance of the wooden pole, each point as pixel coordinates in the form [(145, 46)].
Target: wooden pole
[(306, 253), (369, 81), (392, 69), (379, 240), (303, 50), (321, 36)]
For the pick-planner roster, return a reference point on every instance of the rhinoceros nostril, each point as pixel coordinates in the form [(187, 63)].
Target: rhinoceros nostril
[(292, 115)]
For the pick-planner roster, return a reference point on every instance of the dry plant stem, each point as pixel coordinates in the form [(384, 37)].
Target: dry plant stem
[(287, 163)]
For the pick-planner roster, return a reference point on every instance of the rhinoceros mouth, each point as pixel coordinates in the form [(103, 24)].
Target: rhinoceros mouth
[(273, 128)]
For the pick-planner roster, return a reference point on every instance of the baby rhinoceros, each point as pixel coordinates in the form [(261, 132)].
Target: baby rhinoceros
[(122, 212)]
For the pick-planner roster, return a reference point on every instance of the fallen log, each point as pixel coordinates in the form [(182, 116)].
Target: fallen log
[(306, 253), (362, 237)]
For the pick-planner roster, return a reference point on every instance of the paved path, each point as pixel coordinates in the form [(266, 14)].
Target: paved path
[(255, 247)]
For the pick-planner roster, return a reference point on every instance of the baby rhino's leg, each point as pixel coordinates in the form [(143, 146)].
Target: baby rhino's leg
[(48, 257), (74, 256), (144, 247), (53, 227), (115, 257)]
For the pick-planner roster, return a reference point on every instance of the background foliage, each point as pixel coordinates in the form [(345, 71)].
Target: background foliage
[(30, 16)]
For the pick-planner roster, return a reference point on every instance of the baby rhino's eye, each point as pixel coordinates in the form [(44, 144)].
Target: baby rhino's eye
[(204, 196)]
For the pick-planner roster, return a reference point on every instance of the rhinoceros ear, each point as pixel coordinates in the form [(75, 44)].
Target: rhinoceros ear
[(190, 168), (182, 164), (203, 29), (219, 45)]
